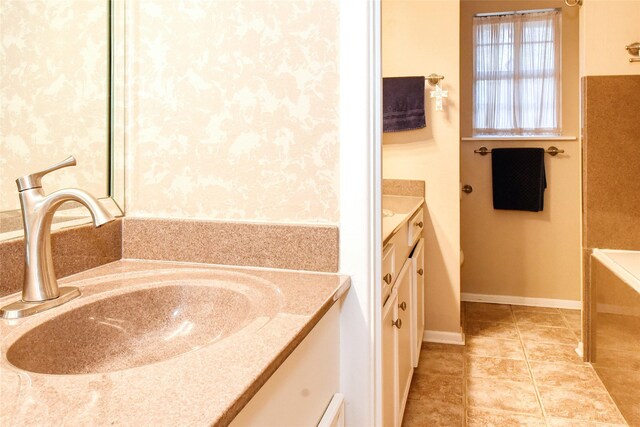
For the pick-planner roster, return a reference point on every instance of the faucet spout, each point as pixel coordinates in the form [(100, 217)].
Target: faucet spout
[(99, 213)]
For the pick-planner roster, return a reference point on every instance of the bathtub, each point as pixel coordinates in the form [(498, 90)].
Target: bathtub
[(624, 264), (614, 326)]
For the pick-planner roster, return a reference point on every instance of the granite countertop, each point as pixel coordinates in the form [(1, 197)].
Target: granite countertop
[(207, 385), (403, 208)]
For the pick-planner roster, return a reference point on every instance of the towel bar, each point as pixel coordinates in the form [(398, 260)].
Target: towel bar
[(483, 151)]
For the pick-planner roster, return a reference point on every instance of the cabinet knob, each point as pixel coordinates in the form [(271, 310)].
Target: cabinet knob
[(421, 272), (397, 323), (403, 306), (387, 278), (418, 224)]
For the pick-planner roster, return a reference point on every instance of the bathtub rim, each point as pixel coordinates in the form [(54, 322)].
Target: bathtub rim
[(617, 268)]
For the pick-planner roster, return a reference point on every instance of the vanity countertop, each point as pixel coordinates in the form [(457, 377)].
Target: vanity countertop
[(403, 208), (208, 385)]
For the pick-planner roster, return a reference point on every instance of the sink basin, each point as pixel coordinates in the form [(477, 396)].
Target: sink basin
[(136, 328), (387, 213)]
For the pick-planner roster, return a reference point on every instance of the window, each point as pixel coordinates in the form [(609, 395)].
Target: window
[(517, 86)]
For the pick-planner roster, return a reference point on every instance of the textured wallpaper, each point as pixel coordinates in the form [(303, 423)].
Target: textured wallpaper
[(233, 110), (53, 93)]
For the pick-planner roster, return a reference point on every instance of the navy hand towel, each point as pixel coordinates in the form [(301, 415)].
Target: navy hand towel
[(519, 178), (402, 103)]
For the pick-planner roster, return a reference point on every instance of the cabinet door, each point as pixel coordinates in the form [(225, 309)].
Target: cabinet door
[(405, 337), (417, 288), (389, 363)]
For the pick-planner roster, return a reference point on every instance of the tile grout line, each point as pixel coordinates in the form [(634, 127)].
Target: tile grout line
[(568, 326), (526, 359)]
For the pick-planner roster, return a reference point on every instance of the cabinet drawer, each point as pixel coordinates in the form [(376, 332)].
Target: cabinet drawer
[(388, 270), (416, 223)]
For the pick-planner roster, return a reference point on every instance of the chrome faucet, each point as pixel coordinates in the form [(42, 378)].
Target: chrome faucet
[(40, 289)]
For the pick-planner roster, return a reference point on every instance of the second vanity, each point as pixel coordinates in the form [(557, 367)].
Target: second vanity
[(403, 300), (166, 343)]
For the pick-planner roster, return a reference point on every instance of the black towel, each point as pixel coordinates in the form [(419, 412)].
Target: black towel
[(402, 103), (519, 178)]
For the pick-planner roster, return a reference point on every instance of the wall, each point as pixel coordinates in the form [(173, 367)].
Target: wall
[(420, 38), (53, 94), (251, 111), (513, 253), (234, 111)]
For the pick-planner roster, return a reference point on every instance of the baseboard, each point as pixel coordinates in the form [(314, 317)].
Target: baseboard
[(443, 337), (513, 300)]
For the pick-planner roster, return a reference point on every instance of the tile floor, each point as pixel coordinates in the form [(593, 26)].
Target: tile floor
[(518, 367)]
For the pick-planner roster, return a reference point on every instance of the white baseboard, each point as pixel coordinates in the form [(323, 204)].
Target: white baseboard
[(442, 337), (513, 300)]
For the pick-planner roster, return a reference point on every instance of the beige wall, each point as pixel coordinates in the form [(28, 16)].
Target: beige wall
[(53, 94), (514, 253), (420, 38), (606, 27), (234, 110)]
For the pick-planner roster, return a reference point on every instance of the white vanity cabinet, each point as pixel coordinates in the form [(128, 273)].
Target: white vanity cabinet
[(389, 362), (417, 290), (405, 337), (402, 315), (298, 393)]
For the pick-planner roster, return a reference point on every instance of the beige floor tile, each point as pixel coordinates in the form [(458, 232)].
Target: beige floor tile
[(481, 306), (492, 347), (478, 417), (539, 318), (551, 335), (492, 330), (434, 362), (520, 308), (437, 388), (551, 352), (419, 413), (563, 422), (496, 316), (580, 404), (565, 375), (574, 321), (511, 396), (502, 369)]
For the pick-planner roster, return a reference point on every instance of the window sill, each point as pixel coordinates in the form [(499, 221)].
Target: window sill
[(520, 138)]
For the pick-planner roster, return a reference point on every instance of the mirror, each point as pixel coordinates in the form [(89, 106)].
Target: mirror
[(61, 94)]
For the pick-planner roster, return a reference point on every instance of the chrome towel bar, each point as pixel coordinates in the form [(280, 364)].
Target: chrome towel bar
[(483, 151)]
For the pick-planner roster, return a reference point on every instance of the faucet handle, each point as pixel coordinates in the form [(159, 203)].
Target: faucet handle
[(33, 180)]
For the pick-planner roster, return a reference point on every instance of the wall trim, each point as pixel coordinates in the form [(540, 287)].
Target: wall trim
[(443, 337), (516, 300)]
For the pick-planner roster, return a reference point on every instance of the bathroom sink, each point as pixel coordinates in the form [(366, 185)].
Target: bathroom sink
[(136, 328), (386, 213)]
